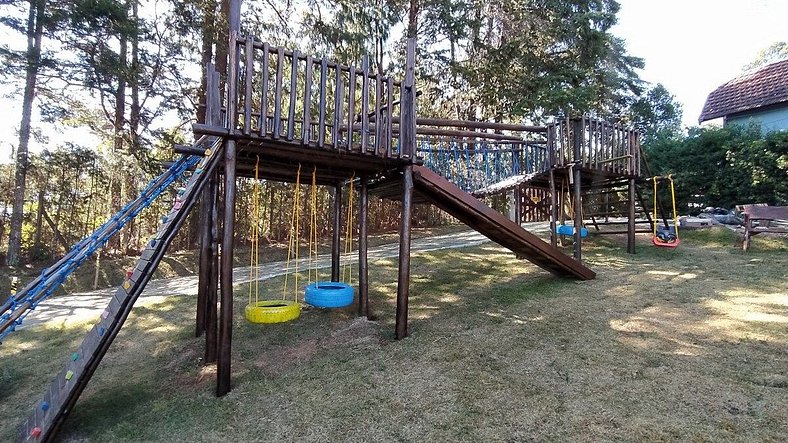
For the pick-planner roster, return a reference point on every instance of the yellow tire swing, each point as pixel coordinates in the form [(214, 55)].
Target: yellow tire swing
[(283, 310)]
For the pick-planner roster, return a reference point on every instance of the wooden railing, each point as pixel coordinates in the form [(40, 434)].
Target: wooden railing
[(475, 165), (595, 144), (290, 97)]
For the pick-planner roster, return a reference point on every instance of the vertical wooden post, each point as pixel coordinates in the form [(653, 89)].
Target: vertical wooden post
[(631, 217), (408, 103), (407, 150), (335, 239), (551, 142), (211, 299), (223, 371), (204, 274), (363, 269), (578, 129), (403, 279)]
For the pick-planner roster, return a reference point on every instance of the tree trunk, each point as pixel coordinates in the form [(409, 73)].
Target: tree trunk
[(134, 117), (39, 217), (35, 27), (120, 93)]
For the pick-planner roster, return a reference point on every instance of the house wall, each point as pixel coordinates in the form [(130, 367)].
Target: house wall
[(770, 120)]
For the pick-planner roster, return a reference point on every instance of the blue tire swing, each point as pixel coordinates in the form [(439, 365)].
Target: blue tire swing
[(329, 294), (569, 230)]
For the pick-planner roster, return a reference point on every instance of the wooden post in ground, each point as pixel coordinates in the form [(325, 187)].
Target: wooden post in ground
[(407, 147), (224, 356), (204, 274), (335, 239), (578, 128), (363, 269), (403, 278), (553, 197), (631, 217), (211, 299)]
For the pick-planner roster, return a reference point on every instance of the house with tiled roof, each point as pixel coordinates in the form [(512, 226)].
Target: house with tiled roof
[(759, 96)]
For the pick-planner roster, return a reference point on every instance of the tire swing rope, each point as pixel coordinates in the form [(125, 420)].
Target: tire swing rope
[(273, 311), (347, 268), (667, 239), (332, 294)]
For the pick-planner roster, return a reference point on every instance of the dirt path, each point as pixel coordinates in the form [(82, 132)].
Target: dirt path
[(85, 306)]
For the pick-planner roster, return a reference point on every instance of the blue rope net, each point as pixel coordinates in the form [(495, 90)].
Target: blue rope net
[(51, 278)]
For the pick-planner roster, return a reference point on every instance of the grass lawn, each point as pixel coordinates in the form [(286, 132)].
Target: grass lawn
[(665, 345)]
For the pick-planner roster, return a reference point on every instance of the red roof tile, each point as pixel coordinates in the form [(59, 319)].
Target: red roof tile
[(752, 90)]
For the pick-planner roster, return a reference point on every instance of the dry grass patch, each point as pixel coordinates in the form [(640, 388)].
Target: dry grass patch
[(684, 345)]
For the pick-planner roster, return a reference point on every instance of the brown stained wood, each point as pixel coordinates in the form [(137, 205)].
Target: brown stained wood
[(321, 123), (363, 263), (408, 104), (306, 126), (364, 103), (224, 356), (248, 71), (495, 226), (263, 126), (293, 93), (403, 276), (211, 316), (389, 114), (338, 111), (280, 61), (351, 106), (379, 148)]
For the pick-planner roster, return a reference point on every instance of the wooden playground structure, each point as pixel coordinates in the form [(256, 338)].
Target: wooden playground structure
[(284, 112)]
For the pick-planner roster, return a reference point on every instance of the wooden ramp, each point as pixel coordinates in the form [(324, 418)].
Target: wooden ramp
[(431, 187), (60, 397)]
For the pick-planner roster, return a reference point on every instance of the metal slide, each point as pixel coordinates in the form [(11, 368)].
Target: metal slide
[(61, 395)]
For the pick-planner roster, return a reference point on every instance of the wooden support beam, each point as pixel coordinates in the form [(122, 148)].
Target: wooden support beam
[(553, 197), (631, 218), (211, 296), (205, 261), (363, 264), (578, 128), (403, 278), (223, 371), (224, 355), (335, 239)]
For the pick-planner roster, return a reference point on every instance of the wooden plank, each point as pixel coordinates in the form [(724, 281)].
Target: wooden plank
[(248, 70), (338, 105), (306, 126), (389, 113), (293, 93), (379, 148), (364, 103), (264, 93), (497, 227), (351, 106), (280, 61), (321, 123)]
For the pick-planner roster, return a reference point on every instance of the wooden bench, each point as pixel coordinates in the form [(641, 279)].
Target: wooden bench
[(770, 219)]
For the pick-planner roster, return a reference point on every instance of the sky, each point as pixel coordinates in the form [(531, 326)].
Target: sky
[(690, 46), (694, 46)]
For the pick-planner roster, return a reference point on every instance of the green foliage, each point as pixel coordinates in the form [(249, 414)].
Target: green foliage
[(774, 53), (724, 166), (656, 114)]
